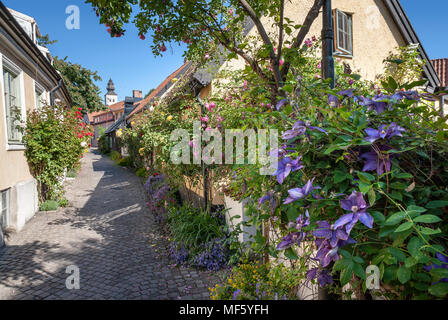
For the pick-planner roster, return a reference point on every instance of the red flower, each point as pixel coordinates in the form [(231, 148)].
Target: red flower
[(80, 109), (155, 174)]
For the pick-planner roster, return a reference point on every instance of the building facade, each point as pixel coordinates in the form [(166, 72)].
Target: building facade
[(28, 82)]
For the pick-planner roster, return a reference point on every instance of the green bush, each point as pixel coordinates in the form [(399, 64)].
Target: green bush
[(49, 205), (115, 156), (55, 139), (124, 162), (142, 172), (193, 227), (63, 203)]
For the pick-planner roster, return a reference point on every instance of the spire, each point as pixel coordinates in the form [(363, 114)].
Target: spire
[(111, 88)]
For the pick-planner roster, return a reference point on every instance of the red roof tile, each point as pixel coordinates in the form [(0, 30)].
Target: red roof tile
[(441, 66), (143, 103)]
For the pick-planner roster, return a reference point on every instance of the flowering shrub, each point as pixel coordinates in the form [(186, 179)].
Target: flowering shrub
[(55, 140), (361, 174), (254, 281)]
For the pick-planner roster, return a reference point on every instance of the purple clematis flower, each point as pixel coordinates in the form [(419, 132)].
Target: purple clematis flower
[(286, 166), (299, 128), (333, 101), (347, 93), (280, 104), (323, 277), (444, 265), (281, 152), (384, 132), (326, 232), (379, 103), (357, 205), (300, 193), (270, 196), (409, 95), (295, 237), (379, 162)]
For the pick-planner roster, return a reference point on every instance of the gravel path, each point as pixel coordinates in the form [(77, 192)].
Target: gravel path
[(108, 234)]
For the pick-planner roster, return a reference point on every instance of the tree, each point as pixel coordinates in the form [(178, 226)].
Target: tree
[(149, 92), (207, 24), (80, 84), (45, 41)]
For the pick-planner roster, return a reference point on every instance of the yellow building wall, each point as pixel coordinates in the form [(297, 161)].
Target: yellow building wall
[(13, 165), (374, 33)]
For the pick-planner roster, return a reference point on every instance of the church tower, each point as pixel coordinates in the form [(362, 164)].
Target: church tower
[(110, 97)]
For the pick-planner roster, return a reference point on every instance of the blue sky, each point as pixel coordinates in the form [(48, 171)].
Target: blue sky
[(130, 62)]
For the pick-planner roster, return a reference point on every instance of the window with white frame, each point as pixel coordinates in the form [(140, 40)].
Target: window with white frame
[(12, 99), (4, 209), (40, 95), (343, 32)]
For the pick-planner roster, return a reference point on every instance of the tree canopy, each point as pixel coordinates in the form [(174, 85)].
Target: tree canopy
[(80, 84), (206, 24)]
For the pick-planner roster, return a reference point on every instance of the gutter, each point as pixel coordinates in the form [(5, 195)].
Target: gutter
[(61, 82)]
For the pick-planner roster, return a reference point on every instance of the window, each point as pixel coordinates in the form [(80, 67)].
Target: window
[(343, 33), (12, 94), (40, 96), (4, 209)]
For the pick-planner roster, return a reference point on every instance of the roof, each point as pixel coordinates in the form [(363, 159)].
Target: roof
[(96, 114), (162, 88), (441, 67), (23, 40), (119, 106), (410, 36), (116, 125)]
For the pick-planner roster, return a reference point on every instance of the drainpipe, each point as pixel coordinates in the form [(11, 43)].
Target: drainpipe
[(327, 44), (204, 167), (53, 91)]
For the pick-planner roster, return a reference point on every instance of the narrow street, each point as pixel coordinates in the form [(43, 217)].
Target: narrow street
[(109, 234)]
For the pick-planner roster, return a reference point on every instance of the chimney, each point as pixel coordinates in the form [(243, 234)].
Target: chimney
[(137, 94)]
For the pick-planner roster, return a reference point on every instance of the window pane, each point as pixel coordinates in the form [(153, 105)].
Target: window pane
[(13, 111)]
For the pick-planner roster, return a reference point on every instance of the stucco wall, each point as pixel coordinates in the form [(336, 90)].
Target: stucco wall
[(13, 165)]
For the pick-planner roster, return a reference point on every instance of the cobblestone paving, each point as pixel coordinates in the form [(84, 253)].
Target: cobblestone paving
[(109, 234)]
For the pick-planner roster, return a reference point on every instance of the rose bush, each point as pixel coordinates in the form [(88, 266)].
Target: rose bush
[(55, 140)]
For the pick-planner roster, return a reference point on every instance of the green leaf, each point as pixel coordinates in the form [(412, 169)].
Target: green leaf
[(414, 246), (359, 270), (372, 197), (397, 253), (405, 226), (437, 204), (364, 188), (346, 275), (339, 176), (403, 274), (429, 231), (291, 254), (428, 218), (439, 290), (395, 218), (342, 264), (410, 262), (439, 273), (345, 254), (378, 217), (392, 83), (366, 177)]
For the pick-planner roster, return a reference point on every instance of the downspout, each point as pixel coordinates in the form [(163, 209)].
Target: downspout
[(54, 90)]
